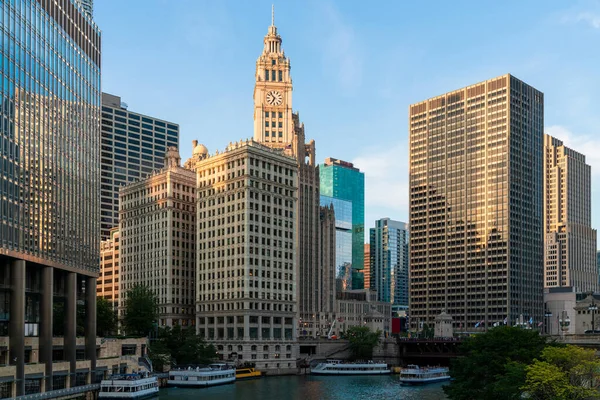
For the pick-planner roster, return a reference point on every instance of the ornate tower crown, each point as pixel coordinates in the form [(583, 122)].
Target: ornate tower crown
[(273, 93)]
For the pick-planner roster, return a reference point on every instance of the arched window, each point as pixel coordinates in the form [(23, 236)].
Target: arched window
[(253, 348), (265, 348)]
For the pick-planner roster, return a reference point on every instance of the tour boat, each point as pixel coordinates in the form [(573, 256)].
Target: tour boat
[(201, 376), (336, 367), (247, 373), (415, 375), (128, 386)]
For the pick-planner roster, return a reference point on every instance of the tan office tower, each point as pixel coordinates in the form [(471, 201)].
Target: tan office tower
[(246, 258), (107, 285), (367, 268), (570, 241), (476, 205), (156, 221), (276, 126)]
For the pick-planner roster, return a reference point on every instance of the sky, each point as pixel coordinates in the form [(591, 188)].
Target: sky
[(356, 68)]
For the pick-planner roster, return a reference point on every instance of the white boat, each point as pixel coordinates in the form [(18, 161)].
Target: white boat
[(201, 376), (415, 375), (336, 367), (129, 386)]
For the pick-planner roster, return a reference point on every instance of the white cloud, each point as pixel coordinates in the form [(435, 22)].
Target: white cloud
[(588, 145), (341, 51), (386, 183), (590, 18)]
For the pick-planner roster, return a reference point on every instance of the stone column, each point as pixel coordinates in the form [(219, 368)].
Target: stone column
[(70, 338), (46, 309), (90, 322), (17, 322)]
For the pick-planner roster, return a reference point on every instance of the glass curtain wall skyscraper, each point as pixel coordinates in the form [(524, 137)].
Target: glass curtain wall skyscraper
[(343, 241), (341, 180), (389, 262), (133, 145), (49, 189), (476, 205)]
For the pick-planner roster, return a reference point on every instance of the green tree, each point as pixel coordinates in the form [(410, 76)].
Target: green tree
[(493, 364), (141, 311), (106, 318), (569, 372), (362, 342), (182, 345)]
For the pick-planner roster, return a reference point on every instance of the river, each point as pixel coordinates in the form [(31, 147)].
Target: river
[(310, 387)]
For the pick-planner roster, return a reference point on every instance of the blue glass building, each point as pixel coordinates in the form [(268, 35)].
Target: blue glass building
[(49, 190), (389, 262), (341, 180), (343, 241)]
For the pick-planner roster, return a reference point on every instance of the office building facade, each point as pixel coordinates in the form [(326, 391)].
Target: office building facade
[(276, 126), (341, 180), (569, 240), (342, 210), (133, 145), (246, 254), (158, 239), (367, 269), (107, 285), (476, 204), (389, 252), (49, 189)]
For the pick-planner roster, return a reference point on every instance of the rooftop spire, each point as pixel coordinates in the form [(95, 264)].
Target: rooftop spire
[(272, 14)]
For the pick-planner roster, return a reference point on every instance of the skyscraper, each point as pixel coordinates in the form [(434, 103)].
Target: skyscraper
[(49, 190), (367, 268), (476, 204), (276, 126), (389, 262), (341, 180), (342, 210), (87, 6), (108, 282), (158, 238), (246, 259), (570, 241), (133, 145)]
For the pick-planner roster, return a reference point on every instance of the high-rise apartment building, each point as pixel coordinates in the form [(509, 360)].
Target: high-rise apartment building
[(158, 239), (367, 268), (389, 262), (107, 285), (476, 204), (133, 145), (342, 210), (341, 180), (246, 253), (276, 126), (570, 241), (49, 189)]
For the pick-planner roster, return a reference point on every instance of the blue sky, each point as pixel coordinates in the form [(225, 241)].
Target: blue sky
[(356, 68)]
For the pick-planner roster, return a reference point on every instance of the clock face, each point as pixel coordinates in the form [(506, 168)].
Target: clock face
[(274, 98)]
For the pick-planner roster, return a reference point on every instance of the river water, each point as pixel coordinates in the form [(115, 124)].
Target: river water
[(310, 387)]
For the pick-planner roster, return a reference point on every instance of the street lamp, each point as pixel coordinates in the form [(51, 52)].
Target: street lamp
[(548, 315), (593, 308), (564, 322)]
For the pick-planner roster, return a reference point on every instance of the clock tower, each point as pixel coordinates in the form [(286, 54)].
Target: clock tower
[(273, 93)]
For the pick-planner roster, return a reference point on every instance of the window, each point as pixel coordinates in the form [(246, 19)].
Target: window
[(267, 133), (267, 114), (266, 75), (280, 76), (272, 62)]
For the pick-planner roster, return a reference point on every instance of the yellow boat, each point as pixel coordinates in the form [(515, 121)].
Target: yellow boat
[(247, 373)]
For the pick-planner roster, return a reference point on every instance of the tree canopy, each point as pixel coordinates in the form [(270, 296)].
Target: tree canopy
[(493, 364), (182, 346), (569, 372), (106, 318), (141, 311), (362, 341)]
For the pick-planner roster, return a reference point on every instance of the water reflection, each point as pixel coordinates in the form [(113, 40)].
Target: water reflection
[(311, 388)]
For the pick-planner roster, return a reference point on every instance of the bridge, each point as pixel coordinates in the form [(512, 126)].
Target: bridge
[(436, 351)]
